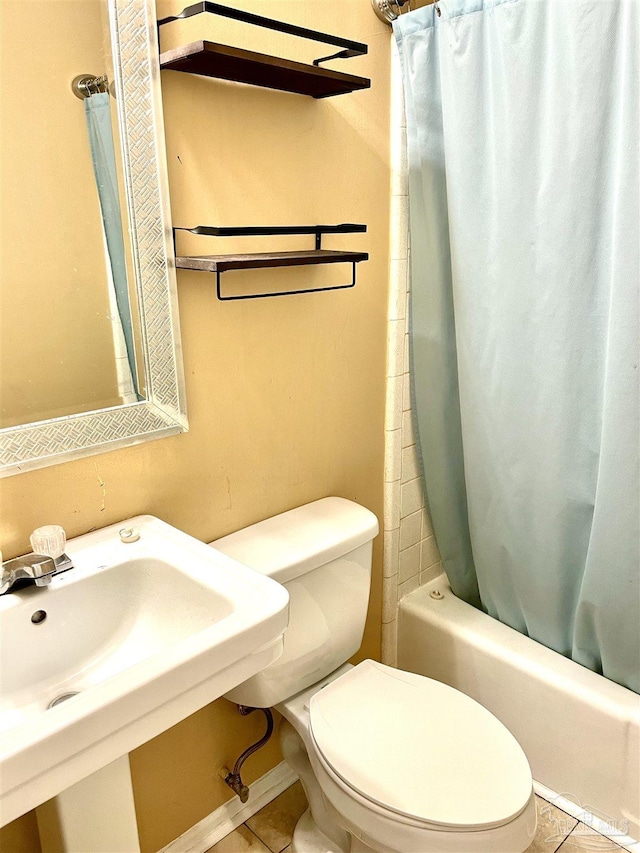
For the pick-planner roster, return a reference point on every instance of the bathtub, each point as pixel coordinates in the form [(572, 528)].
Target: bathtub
[(580, 731)]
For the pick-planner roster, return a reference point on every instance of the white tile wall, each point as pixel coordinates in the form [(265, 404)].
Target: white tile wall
[(391, 551), (409, 563), (393, 457), (411, 555), (411, 497), (410, 530), (393, 418), (409, 466)]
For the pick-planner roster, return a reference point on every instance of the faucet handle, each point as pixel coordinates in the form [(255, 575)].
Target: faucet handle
[(49, 540)]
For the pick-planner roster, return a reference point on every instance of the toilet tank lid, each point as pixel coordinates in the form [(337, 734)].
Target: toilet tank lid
[(298, 541)]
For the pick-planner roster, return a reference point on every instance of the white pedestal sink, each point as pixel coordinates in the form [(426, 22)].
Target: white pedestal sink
[(142, 633)]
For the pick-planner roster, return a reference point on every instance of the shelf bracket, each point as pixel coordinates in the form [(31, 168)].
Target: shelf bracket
[(350, 48), (342, 54)]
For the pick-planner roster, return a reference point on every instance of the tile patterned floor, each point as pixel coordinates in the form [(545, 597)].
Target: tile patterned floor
[(271, 829)]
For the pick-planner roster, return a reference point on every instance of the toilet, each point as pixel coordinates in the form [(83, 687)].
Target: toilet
[(390, 761)]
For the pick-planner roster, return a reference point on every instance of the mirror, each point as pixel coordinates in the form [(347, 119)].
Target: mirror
[(90, 350)]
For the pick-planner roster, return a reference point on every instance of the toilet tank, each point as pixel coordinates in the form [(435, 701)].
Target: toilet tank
[(321, 553)]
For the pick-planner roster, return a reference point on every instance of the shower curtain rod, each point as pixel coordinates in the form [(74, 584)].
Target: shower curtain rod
[(388, 10)]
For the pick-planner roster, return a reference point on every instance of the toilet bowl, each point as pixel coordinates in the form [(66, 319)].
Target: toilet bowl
[(390, 761)]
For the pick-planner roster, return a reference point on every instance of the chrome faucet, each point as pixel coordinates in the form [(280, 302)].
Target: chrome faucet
[(46, 560), (35, 567)]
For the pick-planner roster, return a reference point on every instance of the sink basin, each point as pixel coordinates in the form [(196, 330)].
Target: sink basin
[(136, 637)]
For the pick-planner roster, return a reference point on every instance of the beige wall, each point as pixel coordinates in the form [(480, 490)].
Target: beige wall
[(285, 396)]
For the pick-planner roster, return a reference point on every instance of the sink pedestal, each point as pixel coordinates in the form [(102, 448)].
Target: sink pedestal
[(96, 815)]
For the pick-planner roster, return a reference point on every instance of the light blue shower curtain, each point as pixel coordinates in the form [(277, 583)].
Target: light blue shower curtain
[(98, 115), (522, 131)]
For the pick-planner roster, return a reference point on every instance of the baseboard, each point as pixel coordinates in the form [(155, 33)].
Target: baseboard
[(233, 813)]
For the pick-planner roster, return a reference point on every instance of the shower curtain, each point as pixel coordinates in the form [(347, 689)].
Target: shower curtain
[(98, 116), (522, 134)]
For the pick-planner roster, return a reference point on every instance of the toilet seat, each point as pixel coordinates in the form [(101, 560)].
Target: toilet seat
[(419, 749)]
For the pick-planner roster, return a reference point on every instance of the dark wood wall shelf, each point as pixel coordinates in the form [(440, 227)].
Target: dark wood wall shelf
[(262, 260), (259, 69), (210, 59), (219, 264)]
